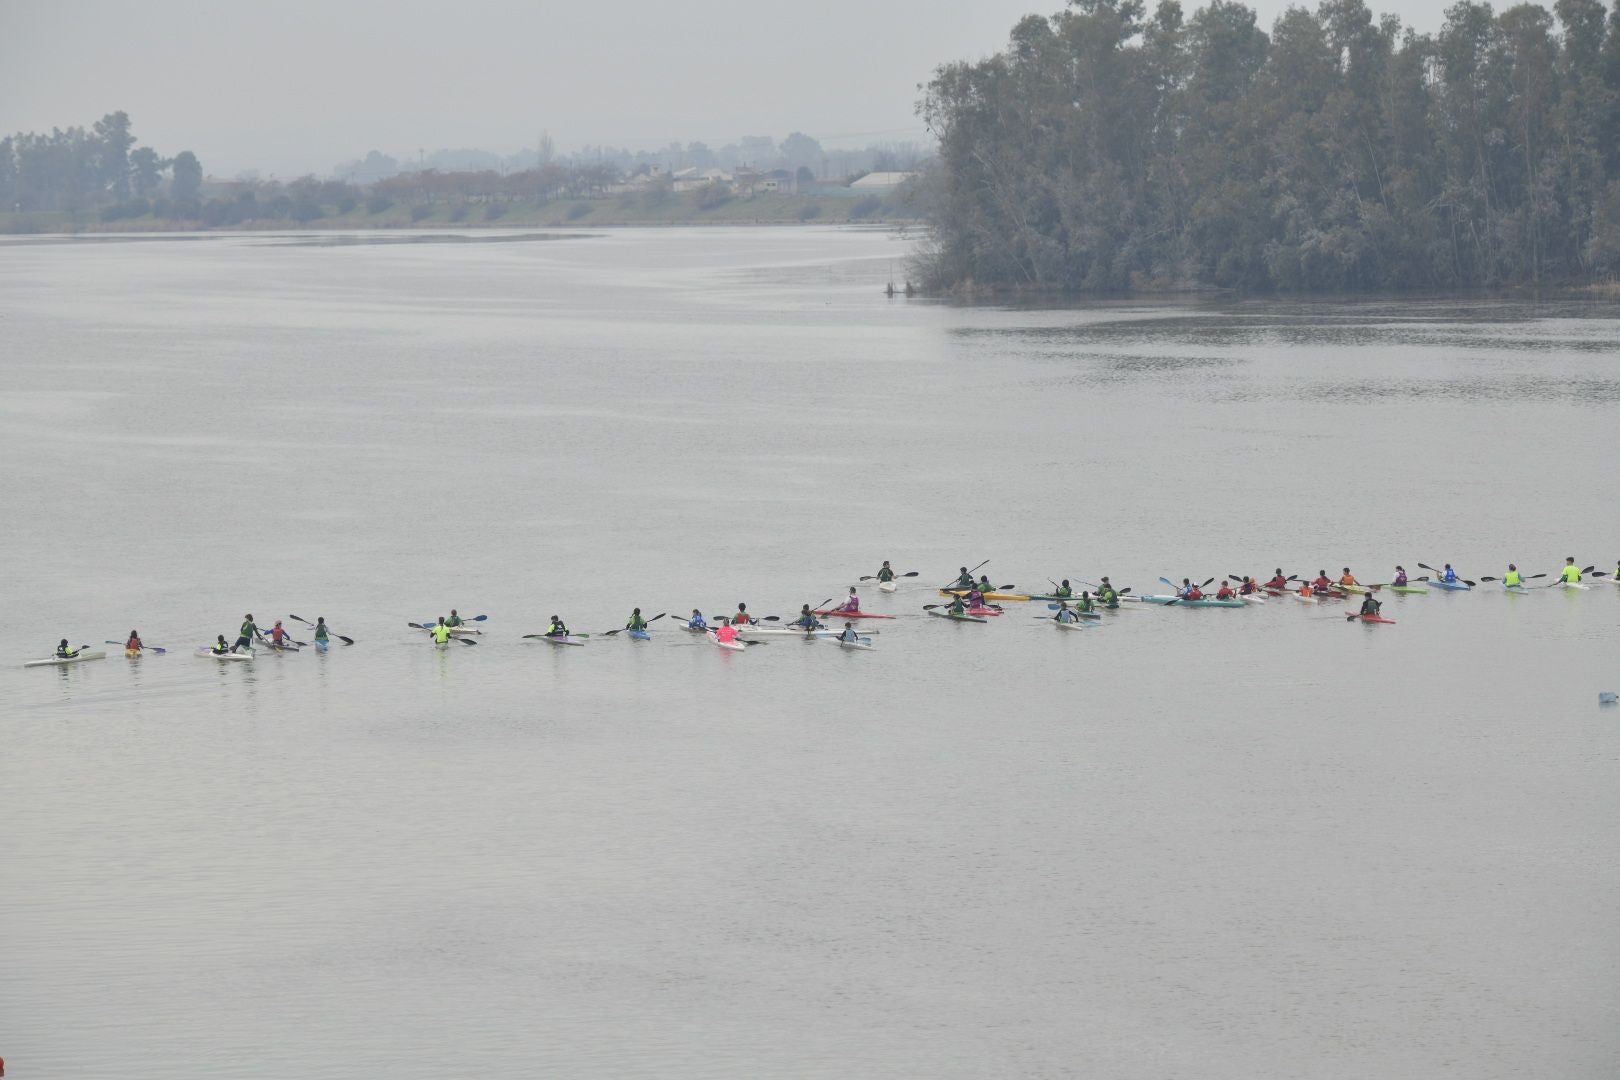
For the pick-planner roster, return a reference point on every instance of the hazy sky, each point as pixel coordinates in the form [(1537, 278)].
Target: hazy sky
[(294, 86)]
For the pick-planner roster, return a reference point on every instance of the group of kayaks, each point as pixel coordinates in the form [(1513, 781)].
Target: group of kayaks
[(737, 633)]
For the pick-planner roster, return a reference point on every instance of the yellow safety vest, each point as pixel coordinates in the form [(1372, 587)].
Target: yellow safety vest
[(441, 633), (1513, 578), (1572, 573)]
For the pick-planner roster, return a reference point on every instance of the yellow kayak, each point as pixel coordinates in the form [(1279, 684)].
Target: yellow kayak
[(987, 596), (1353, 588)]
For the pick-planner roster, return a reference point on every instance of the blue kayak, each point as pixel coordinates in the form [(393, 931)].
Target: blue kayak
[(1450, 585), (640, 635)]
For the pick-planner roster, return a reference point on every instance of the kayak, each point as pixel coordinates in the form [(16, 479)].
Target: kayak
[(203, 650), (455, 631), (1406, 588), (957, 618), (1353, 588), (1375, 618), (857, 644), (1096, 614), (834, 613), (888, 586), (1054, 597), (988, 595), (1302, 598), (984, 611), (734, 645), (81, 656), (1574, 585), (1251, 598), (321, 644), (639, 635), (1069, 625), (561, 640), (1463, 585), (1162, 599)]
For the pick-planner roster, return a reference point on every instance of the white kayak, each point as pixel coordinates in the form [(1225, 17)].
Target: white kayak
[(78, 658), (456, 630), (1302, 598), (1575, 585), (1069, 625), (1251, 598), (734, 645), (867, 645), (888, 586), (564, 640), (204, 650)]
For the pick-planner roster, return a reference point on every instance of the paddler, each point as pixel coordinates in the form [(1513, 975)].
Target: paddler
[(885, 573), (1225, 592), (984, 584), (1063, 590), (1278, 581), (1400, 577), (278, 636), (1347, 578), (726, 632), (1572, 573), (1323, 585), (1065, 614), (1369, 606), (1084, 603), (636, 621), (852, 605), (964, 580), (64, 651), (975, 597), (441, 632), (806, 619), (134, 642), (1189, 591), (220, 648), (1107, 594), (1449, 574), (1307, 589), (322, 635), (247, 634), (557, 628), (1512, 577), (849, 633), (742, 618), (957, 607), (696, 621), (1248, 587), (453, 621)]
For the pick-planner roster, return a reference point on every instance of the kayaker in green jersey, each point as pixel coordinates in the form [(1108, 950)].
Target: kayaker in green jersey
[(1369, 606), (441, 632), (957, 606), (964, 580), (1064, 589), (557, 628), (1512, 577), (885, 574), (1065, 613), (984, 586), (66, 651), (220, 648), (1572, 573), (636, 621), (454, 620), (806, 619), (1107, 594), (321, 634), (247, 634), (1084, 603)]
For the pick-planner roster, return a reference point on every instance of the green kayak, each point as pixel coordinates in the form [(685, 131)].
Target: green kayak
[(1407, 588)]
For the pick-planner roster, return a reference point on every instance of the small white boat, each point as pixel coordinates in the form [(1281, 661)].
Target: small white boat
[(78, 658), (888, 586), (203, 650), (1069, 625)]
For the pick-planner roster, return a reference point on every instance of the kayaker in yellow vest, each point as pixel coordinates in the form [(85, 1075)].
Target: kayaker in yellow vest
[(66, 651), (1572, 573), (1512, 577), (441, 632), (1084, 603)]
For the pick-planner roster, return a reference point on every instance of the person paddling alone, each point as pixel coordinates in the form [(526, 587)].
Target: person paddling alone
[(1512, 579), (849, 633), (1369, 606), (134, 642), (64, 651), (742, 618), (886, 573), (852, 605), (441, 632), (1572, 573)]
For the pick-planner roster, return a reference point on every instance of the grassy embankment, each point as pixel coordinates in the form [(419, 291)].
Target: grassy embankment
[(627, 210)]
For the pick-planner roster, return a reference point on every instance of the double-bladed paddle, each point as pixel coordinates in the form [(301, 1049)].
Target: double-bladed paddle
[(650, 621), (340, 637), (453, 637), (952, 584), (1432, 570), (908, 573), (144, 648), (1560, 581)]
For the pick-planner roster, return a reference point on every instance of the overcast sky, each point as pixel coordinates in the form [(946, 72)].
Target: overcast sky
[(295, 86)]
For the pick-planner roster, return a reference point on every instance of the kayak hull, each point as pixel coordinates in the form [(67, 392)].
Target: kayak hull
[(204, 650), (63, 661), (855, 645), (1160, 599), (1069, 625), (956, 618), (988, 595), (1455, 586), (834, 613), (1353, 588), (888, 586), (1375, 619), (560, 640), (639, 635), (1411, 589)]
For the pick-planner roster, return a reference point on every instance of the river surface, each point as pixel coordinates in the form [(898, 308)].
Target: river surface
[(1199, 844)]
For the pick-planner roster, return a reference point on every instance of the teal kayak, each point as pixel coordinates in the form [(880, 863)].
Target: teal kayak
[(957, 618), (1161, 599)]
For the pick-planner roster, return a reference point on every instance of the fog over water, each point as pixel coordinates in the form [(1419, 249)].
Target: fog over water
[(1181, 843)]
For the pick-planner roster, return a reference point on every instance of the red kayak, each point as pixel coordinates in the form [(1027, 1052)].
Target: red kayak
[(1375, 618), (984, 611), (836, 614)]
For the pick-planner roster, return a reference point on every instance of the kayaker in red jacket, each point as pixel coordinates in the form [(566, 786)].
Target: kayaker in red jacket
[(1225, 592), (1278, 582)]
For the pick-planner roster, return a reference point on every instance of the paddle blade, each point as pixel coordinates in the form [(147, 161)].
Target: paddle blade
[(345, 640), (911, 573), (466, 641)]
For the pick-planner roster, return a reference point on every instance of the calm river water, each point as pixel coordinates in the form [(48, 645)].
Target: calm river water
[(1185, 843)]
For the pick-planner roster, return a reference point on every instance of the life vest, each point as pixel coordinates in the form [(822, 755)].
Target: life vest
[(1513, 578), (1572, 573), (441, 633)]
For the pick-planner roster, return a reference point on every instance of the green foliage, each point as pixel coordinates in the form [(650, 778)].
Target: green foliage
[(578, 210), (494, 211), (376, 204), (1105, 146), (420, 213), (865, 206)]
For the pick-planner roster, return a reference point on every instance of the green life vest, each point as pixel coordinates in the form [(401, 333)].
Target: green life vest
[(1083, 604), (1513, 578), (885, 574), (320, 632)]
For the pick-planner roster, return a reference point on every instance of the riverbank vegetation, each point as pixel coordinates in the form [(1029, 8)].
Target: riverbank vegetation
[(1107, 149)]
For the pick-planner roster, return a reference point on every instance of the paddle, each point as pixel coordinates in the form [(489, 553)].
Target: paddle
[(650, 621), (144, 648), (908, 573), (453, 637), (952, 583), (1432, 570), (340, 637)]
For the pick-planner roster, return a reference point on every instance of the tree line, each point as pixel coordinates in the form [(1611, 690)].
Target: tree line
[(78, 169), (1105, 148)]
